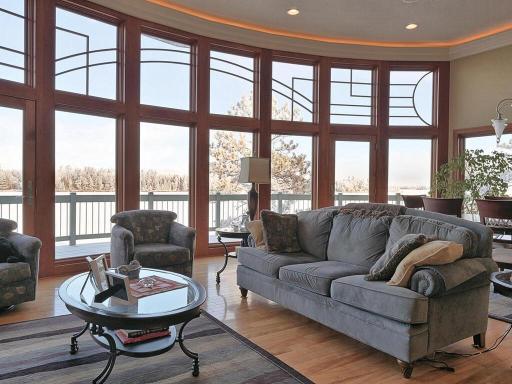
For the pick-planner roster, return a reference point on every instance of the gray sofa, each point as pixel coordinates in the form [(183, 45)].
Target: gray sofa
[(18, 281), (154, 239), (325, 281)]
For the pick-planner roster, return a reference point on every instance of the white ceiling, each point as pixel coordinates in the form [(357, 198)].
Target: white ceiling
[(375, 20)]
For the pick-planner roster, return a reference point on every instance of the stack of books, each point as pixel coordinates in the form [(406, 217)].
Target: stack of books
[(132, 336)]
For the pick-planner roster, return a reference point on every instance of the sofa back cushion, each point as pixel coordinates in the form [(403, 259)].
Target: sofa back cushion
[(439, 230), (314, 228), (147, 226), (358, 240)]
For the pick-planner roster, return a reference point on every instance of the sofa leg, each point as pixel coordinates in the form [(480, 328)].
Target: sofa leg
[(406, 368), (243, 291), (479, 341)]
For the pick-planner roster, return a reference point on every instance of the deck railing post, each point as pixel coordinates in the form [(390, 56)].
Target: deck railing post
[(72, 218), (279, 202), (340, 199), (150, 200), (217, 210), (398, 198)]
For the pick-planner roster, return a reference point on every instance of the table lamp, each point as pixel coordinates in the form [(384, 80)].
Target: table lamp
[(255, 170)]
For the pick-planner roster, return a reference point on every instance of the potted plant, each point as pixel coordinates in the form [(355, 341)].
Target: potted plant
[(448, 189), (466, 178)]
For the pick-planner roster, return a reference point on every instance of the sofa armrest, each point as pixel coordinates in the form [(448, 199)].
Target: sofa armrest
[(121, 246), (29, 248), (462, 275), (183, 236)]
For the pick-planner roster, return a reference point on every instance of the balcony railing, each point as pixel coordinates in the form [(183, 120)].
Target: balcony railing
[(87, 216)]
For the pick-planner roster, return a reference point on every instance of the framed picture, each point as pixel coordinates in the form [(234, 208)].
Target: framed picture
[(99, 268), (120, 286)]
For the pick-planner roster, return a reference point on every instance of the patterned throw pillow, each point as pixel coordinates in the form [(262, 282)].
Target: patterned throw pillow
[(385, 267), (280, 232)]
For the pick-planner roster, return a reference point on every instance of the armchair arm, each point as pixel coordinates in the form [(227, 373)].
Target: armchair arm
[(462, 275), (121, 246), (28, 247), (183, 236)]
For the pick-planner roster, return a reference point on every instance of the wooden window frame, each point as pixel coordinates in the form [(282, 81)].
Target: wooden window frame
[(39, 90)]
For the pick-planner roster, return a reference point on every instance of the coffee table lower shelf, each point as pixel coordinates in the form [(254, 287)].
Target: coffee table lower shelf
[(107, 339)]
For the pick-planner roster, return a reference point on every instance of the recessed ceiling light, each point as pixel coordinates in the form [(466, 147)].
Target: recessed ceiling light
[(411, 26), (293, 12)]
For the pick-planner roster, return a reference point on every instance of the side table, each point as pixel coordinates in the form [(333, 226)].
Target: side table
[(230, 233)]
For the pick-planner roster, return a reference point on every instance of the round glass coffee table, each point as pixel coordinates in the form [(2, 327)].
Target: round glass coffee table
[(161, 310)]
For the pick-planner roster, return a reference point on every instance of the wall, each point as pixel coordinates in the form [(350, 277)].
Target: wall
[(477, 83)]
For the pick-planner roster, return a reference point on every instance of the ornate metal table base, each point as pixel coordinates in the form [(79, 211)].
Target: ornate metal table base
[(225, 232), (107, 339)]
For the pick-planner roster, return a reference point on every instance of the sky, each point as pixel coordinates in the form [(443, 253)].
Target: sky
[(83, 140)]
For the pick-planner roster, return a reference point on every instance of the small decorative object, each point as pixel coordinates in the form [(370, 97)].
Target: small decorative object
[(147, 282), (131, 270), (244, 221), (98, 268), (119, 287), (152, 285), (255, 170)]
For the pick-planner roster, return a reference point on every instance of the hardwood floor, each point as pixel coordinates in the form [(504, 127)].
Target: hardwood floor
[(318, 352)]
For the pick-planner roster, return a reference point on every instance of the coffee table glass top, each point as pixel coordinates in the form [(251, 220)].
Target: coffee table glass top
[(165, 303)]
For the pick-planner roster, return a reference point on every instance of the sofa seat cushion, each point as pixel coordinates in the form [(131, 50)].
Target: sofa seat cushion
[(317, 277), (158, 255), (396, 303), (403, 225), (13, 272), (269, 263)]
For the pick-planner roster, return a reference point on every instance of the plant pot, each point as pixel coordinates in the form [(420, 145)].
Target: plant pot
[(451, 207)]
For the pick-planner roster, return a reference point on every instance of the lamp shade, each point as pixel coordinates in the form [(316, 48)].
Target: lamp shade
[(499, 126), (254, 170)]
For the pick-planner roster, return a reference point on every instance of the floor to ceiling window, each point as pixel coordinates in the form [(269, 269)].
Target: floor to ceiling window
[(164, 72), (85, 183), (144, 114), (351, 96), (228, 197), (292, 91), (410, 164), (12, 40), (11, 165), (291, 167), (164, 169), (352, 172)]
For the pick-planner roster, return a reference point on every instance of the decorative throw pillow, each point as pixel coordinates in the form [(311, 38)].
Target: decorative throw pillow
[(280, 232), (384, 268), (433, 253), (256, 229), (363, 212)]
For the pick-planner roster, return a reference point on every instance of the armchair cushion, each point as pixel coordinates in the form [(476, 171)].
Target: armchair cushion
[(158, 255), (13, 272), (8, 253), (147, 226)]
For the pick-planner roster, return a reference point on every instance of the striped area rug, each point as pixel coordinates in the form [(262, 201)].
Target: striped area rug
[(38, 352)]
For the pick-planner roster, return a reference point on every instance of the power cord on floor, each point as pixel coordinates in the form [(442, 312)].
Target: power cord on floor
[(442, 365)]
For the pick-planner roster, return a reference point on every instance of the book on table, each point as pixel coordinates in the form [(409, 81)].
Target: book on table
[(132, 336)]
